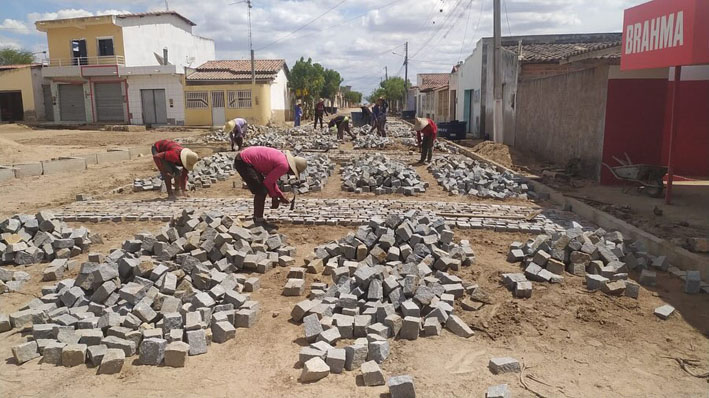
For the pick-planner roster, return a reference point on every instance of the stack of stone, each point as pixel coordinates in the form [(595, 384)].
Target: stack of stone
[(370, 141), (272, 138), (161, 296), (399, 130), (461, 176), (389, 279), (298, 139), (148, 184), (603, 258), (381, 175), (27, 239), (211, 169), (438, 145), (313, 179)]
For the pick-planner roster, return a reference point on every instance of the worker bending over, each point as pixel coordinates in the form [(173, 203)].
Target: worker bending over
[(426, 133), (173, 160), (343, 124), (237, 131), (260, 168)]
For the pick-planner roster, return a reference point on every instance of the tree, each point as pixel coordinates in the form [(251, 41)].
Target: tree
[(331, 85), (353, 97), (307, 81), (392, 90), (11, 56), (372, 98)]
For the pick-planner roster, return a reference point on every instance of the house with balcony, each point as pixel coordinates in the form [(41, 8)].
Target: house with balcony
[(217, 91), (126, 68)]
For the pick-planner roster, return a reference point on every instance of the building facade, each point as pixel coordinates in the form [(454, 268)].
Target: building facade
[(121, 68), (433, 96), (218, 91), (21, 97)]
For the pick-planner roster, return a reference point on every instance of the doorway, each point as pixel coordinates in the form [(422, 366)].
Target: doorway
[(218, 115), (154, 106), (78, 52), (11, 109)]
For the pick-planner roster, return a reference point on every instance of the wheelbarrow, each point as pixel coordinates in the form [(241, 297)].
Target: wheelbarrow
[(647, 176)]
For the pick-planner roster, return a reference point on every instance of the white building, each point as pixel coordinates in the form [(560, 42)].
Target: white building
[(120, 68)]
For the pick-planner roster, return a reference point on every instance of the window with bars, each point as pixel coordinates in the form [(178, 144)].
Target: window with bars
[(196, 99), (239, 99)]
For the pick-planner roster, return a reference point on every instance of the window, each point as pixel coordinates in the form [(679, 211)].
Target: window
[(196, 99), (240, 99), (105, 47)]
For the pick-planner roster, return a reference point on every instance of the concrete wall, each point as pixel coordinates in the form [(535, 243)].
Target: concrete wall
[(174, 96), (144, 37), (21, 80), (259, 113), (280, 98), (562, 117), (510, 74), (470, 78)]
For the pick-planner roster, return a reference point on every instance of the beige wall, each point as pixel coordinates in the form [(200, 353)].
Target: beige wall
[(20, 80), (259, 113), (59, 37)]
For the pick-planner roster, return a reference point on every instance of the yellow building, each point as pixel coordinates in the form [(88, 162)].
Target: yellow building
[(21, 96), (218, 91)]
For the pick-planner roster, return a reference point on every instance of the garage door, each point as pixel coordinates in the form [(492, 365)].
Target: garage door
[(109, 102), (71, 103)]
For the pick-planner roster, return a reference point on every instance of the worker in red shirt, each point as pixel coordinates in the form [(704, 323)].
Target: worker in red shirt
[(260, 168), (173, 160), (426, 133)]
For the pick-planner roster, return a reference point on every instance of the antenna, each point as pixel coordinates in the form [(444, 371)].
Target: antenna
[(167, 7)]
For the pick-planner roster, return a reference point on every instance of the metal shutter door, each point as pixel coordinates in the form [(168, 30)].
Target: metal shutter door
[(109, 102), (160, 106), (71, 103)]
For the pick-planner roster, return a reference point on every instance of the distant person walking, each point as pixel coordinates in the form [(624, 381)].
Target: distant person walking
[(237, 131), (260, 168), (426, 133), (174, 162), (298, 114), (319, 112)]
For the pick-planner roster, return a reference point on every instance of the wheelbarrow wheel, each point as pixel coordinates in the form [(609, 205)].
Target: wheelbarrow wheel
[(655, 191)]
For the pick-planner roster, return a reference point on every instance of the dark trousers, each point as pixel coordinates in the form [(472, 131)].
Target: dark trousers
[(318, 116), (341, 128), (253, 180), (426, 149)]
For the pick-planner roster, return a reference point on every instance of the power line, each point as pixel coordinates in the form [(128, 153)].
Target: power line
[(465, 34), (304, 26), (507, 16), (440, 27)]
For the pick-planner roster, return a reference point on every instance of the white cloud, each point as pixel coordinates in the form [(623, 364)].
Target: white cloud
[(14, 26), (6, 42)]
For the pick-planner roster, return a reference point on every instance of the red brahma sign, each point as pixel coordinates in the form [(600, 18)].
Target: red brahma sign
[(665, 33)]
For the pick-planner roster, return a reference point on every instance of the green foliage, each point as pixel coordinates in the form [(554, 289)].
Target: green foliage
[(392, 89), (11, 56), (306, 81), (331, 85), (353, 97)]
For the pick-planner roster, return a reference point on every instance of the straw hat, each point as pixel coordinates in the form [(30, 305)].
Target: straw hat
[(421, 124), (188, 158), (296, 163), (229, 126)]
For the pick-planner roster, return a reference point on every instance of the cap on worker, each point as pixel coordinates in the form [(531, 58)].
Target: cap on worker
[(296, 163), (420, 124), (188, 158), (229, 126)]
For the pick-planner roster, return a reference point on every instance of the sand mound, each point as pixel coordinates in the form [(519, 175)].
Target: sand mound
[(499, 153)]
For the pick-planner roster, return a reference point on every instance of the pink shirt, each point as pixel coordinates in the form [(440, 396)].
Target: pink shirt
[(271, 163)]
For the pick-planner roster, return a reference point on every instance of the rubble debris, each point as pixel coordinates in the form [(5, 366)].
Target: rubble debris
[(389, 279), (313, 179), (31, 239), (162, 296), (381, 175), (470, 177)]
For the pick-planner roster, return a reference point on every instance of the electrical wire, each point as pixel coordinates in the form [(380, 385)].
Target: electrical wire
[(507, 16), (440, 27), (465, 34), (304, 26)]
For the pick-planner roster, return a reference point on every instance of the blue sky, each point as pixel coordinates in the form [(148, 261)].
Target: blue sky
[(356, 37)]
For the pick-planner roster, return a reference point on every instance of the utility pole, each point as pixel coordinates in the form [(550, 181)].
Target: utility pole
[(498, 128), (406, 76), (386, 74), (251, 46), (167, 8)]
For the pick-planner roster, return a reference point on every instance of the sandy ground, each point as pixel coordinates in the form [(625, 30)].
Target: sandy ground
[(573, 343), (577, 344)]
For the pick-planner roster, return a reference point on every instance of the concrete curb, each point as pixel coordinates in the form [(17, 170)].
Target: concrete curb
[(677, 256), (63, 165), (6, 173)]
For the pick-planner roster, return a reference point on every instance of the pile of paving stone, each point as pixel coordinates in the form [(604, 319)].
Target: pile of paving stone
[(381, 175), (438, 145), (207, 171), (313, 179), (162, 297), (389, 279), (461, 176), (370, 141), (603, 258), (30, 239), (298, 139), (399, 130)]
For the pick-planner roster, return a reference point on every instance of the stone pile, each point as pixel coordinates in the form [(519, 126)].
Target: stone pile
[(207, 171), (313, 179), (381, 175), (370, 141), (162, 297), (391, 278), (604, 258), (30, 239), (398, 129), (438, 145), (299, 139), (469, 177)]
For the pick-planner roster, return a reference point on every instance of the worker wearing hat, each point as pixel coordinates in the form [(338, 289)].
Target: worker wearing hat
[(237, 130), (426, 133), (261, 168), (173, 160), (341, 124)]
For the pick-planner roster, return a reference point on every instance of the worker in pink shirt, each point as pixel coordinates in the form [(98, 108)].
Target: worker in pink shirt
[(260, 168)]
